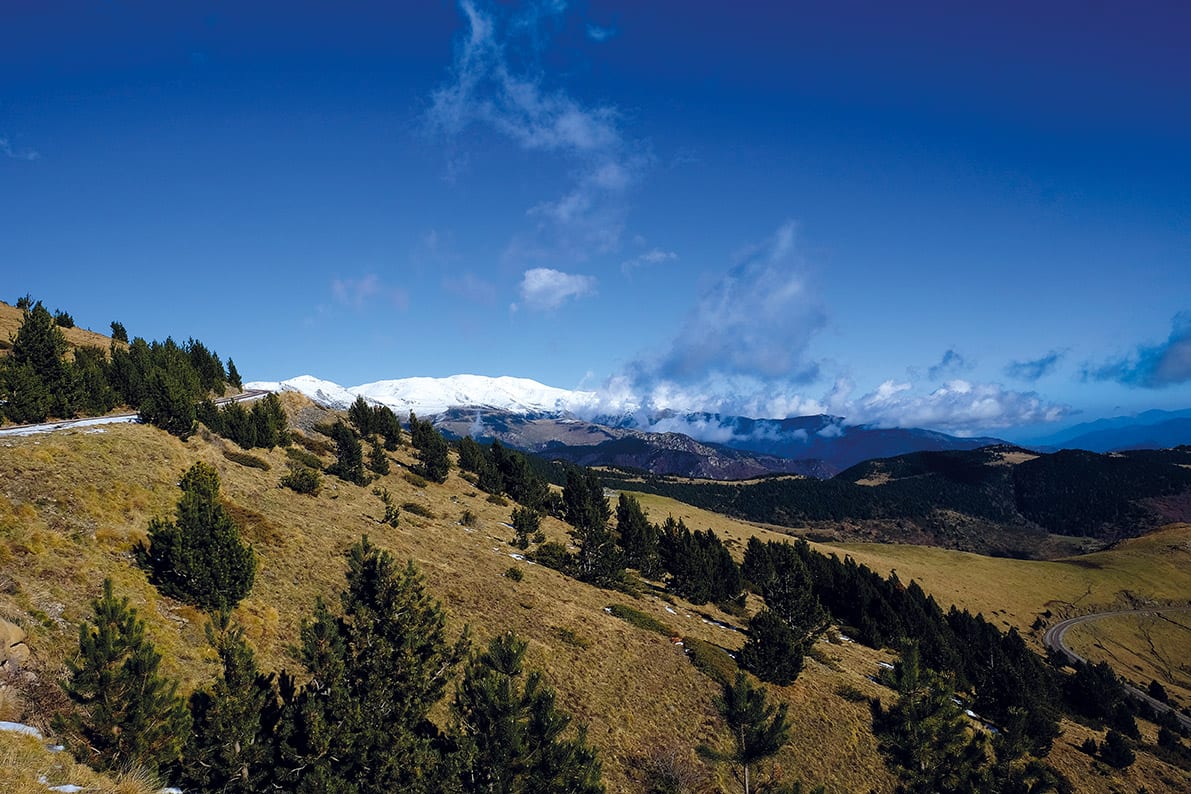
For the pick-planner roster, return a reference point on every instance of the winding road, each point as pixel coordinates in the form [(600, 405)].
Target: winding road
[(93, 421), (1053, 639)]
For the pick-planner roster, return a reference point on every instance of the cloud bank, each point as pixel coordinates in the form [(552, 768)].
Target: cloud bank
[(958, 407), (1152, 366)]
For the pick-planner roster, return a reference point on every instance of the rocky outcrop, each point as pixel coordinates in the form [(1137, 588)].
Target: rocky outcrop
[(13, 650)]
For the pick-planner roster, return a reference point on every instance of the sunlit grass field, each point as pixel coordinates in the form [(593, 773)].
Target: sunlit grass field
[(73, 505)]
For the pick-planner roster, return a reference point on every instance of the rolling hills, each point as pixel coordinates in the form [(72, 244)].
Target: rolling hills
[(999, 499), (74, 504)]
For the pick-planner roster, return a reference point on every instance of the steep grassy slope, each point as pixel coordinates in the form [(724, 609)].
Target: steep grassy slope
[(73, 505)]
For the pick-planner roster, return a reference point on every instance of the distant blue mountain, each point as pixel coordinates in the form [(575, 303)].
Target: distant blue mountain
[(1149, 430)]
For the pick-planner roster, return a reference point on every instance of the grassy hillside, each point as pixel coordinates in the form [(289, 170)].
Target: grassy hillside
[(73, 505), (11, 318)]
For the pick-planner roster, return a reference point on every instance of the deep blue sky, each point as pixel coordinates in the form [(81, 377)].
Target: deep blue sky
[(977, 220)]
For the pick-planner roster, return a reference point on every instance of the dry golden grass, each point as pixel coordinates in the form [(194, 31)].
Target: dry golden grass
[(1155, 568), (74, 504), (1012, 593), (27, 766), (1142, 648), (11, 318)]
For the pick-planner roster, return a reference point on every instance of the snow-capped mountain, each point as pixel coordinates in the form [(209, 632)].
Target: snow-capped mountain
[(532, 416), (429, 396)]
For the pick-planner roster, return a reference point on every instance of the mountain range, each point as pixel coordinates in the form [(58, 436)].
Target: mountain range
[(586, 428), (1147, 430), (582, 427)]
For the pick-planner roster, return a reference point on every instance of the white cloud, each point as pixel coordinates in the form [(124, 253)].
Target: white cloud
[(959, 407), (491, 87), (543, 288)]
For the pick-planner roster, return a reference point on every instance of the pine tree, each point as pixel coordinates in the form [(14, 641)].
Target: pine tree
[(385, 422), (638, 537), (925, 737), (199, 557), (314, 735), (119, 334), (376, 671), (585, 504), (772, 652), (168, 400), (25, 395), (360, 416), (784, 632), (512, 732), (38, 351), (433, 462), (233, 375), (472, 457), (516, 478), (701, 568), (1115, 750), (758, 728), (349, 463), (599, 561), (377, 460), (90, 375), (126, 715), (268, 419), (526, 523), (207, 366), (230, 748)]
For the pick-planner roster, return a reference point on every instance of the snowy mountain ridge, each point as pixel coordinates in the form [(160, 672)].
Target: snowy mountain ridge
[(428, 396)]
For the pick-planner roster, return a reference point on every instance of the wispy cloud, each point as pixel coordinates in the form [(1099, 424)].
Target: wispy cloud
[(1034, 369), (600, 33), (654, 256), (14, 153), (1152, 366), (543, 288), (951, 363), (356, 293), (497, 84), (756, 321)]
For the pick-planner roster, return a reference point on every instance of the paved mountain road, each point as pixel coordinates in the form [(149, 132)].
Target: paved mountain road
[(94, 421), (1053, 639)]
